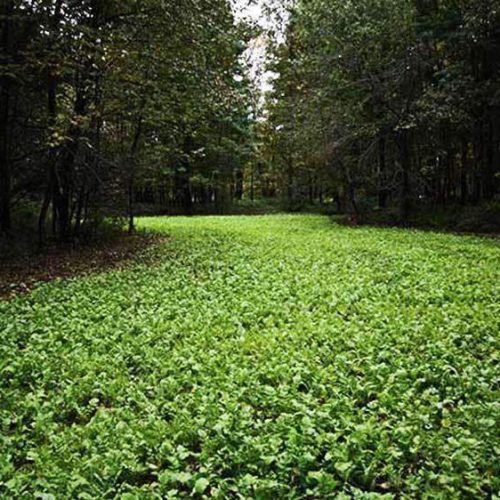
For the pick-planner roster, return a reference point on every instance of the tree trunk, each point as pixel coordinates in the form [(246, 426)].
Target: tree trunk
[(405, 186), (6, 47), (51, 176), (492, 156), (464, 192), (184, 178), (487, 167), (65, 174), (382, 188), (43, 213), (131, 212), (238, 192), (310, 187), (252, 183), (290, 187), (350, 189), (133, 174)]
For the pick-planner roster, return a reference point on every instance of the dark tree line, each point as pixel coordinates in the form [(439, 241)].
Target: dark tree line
[(387, 103), (109, 108), (102, 101)]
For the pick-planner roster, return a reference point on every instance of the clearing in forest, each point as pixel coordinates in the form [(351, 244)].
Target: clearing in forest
[(269, 357)]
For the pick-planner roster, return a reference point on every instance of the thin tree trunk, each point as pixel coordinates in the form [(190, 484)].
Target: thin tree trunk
[(43, 213), (51, 177), (6, 44), (133, 173), (131, 213), (350, 189), (491, 155), (65, 174), (405, 187), (382, 189), (290, 187), (464, 194), (238, 193), (79, 210), (252, 183)]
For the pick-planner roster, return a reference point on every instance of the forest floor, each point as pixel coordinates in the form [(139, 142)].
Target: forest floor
[(257, 357), (21, 273)]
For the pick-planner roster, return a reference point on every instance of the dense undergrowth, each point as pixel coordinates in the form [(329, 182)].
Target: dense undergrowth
[(480, 219), (260, 357)]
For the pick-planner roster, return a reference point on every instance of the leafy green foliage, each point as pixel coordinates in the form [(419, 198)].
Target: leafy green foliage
[(268, 357), (119, 102), (386, 98)]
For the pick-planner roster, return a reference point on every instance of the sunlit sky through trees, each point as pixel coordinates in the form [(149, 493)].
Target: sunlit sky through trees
[(259, 12)]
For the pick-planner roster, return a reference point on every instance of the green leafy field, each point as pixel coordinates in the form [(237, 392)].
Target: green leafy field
[(259, 357)]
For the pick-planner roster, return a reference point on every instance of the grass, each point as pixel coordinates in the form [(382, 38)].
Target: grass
[(259, 357)]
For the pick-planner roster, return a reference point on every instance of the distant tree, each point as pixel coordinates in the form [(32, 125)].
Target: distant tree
[(392, 100)]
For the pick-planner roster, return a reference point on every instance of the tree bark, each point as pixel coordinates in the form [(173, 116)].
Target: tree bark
[(51, 176), (6, 48), (464, 192), (252, 183), (238, 192), (290, 187), (133, 173), (382, 188), (43, 213), (350, 189), (405, 186)]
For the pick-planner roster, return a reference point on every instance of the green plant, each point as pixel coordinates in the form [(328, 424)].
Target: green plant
[(278, 356)]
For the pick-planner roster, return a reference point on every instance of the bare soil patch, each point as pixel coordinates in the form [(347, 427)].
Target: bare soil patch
[(20, 274)]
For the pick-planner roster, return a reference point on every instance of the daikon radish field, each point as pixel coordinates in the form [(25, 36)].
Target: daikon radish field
[(263, 357)]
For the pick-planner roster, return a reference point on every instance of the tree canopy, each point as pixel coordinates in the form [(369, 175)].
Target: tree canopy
[(114, 108), (390, 100), (106, 103)]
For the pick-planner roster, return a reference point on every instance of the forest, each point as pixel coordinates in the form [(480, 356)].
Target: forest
[(105, 101), (388, 103), (115, 108), (249, 249)]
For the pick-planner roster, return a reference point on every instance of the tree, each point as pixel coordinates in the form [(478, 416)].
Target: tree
[(119, 98), (392, 100)]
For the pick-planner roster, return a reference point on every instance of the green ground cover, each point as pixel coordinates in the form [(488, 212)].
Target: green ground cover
[(259, 357)]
